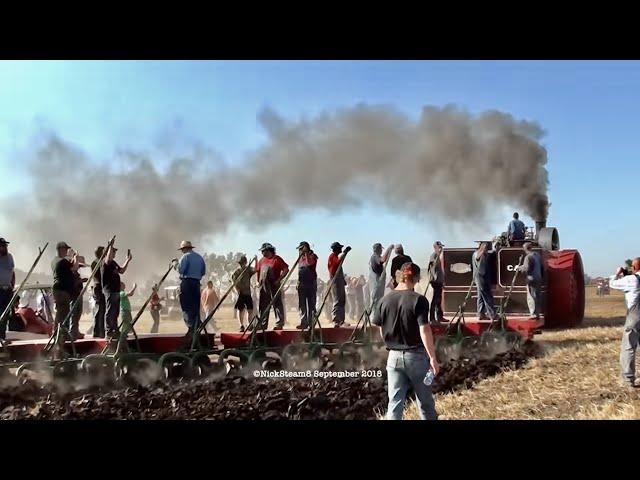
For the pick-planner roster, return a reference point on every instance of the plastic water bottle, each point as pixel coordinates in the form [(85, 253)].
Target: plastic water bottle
[(428, 379)]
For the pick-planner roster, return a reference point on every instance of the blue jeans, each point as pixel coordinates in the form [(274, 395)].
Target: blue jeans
[(5, 298), (407, 369), (190, 302), (485, 300), (112, 310), (307, 303)]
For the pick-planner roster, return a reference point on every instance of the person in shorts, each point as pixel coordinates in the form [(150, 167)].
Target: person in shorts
[(242, 281)]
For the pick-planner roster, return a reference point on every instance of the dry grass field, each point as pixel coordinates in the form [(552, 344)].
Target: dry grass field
[(575, 377)]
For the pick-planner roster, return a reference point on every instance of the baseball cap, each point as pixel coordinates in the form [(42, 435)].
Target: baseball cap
[(62, 245), (438, 244), (410, 269), (3, 241), (267, 246), (336, 245), (304, 244), (243, 259)]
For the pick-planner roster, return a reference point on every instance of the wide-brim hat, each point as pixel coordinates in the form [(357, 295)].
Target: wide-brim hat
[(336, 245), (185, 244)]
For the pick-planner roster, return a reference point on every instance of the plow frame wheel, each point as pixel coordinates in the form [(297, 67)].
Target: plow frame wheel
[(260, 360), (243, 356), (127, 366), (97, 367), (168, 361), (201, 365)]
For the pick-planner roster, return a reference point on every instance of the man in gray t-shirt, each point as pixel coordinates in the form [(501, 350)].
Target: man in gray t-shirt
[(7, 282)]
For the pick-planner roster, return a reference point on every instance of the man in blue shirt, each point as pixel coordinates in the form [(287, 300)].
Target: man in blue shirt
[(516, 229), (191, 268)]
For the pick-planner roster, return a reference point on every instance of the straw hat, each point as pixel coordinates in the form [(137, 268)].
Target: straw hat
[(185, 244)]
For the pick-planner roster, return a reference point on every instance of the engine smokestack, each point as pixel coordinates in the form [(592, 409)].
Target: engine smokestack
[(540, 224)]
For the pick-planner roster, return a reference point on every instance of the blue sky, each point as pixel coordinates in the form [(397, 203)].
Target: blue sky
[(590, 111)]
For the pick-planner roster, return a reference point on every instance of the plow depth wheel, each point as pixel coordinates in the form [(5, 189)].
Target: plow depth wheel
[(201, 365), (175, 365), (260, 360), (234, 361)]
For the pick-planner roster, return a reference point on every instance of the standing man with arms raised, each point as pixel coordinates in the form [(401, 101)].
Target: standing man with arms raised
[(7, 283), (307, 284), (436, 280), (338, 287), (110, 273), (403, 315), (630, 285), (271, 271), (377, 274), (191, 268)]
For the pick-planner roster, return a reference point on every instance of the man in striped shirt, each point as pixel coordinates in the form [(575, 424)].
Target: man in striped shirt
[(630, 285)]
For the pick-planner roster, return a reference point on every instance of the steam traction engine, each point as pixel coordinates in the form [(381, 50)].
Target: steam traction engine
[(563, 294)]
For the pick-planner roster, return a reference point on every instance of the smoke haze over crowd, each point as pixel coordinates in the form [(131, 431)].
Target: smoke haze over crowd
[(449, 164)]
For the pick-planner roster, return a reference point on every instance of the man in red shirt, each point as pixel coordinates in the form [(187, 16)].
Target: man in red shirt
[(337, 287), (271, 270)]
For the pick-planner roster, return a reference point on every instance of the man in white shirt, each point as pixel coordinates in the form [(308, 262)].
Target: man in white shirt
[(630, 285)]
